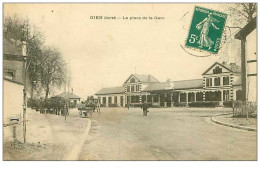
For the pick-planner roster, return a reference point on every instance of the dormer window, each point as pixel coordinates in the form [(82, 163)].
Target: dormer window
[(132, 80), (217, 70)]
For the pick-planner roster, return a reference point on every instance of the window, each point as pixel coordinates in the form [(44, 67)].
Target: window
[(137, 87), (132, 88), (155, 98), (143, 98), (134, 99), (217, 81), (226, 95), (149, 98), (9, 75), (109, 100), (226, 80), (128, 89), (115, 99), (104, 100), (217, 70), (209, 82)]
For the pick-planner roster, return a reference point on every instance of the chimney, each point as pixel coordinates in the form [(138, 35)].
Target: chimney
[(24, 50), (71, 90), (170, 84), (224, 62), (149, 77)]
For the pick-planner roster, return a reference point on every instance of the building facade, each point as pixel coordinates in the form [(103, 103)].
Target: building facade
[(13, 76), (220, 82), (247, 36)]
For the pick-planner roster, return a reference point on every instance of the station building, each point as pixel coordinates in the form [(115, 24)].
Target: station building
[(220, 82)]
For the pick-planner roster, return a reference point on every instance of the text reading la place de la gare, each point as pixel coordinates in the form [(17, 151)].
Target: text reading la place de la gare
[(131, 18)]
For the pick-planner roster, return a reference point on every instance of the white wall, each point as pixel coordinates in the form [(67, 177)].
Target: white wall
[(251, 67), (13, 100)]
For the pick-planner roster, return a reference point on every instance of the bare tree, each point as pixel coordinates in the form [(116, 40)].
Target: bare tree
[(240, 13)]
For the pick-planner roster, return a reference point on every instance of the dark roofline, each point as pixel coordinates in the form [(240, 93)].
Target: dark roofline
[(190, 80), (245, 31), (214, 65), (98, 93), (58, 95), (139, 79), (188, 88), (108, 93), (13, 81)]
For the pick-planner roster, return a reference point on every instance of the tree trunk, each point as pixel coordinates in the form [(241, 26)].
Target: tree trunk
[(32, 86), (47, 92)]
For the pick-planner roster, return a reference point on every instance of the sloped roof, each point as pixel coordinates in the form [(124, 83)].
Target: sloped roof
[(69, 95), (156, 86), (188, 84), (143, 78), (245, 31), (111, 90), (237, 82), (146, 78), (184, 84), (231, 67), (12, 47)]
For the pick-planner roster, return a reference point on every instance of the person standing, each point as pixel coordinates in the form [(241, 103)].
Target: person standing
[(145, 109)]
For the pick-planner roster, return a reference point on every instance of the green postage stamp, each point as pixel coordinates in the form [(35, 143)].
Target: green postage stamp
[(206, 29)]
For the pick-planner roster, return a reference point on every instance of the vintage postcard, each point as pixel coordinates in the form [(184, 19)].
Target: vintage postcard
[(129, 81)]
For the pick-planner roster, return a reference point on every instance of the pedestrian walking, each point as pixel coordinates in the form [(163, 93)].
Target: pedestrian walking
[(128, 105), (145, 108)]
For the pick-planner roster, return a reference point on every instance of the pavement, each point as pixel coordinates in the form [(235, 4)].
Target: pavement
[(49, 137), (249, 124)]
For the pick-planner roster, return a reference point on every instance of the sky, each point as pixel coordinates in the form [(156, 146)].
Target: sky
[(104, 53)]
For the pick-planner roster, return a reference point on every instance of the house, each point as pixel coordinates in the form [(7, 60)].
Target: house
[(247, 36), (13, 78), (220, 82), (74, 99)]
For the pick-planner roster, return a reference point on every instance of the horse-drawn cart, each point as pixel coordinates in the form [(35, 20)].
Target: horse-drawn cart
[(85, 111)]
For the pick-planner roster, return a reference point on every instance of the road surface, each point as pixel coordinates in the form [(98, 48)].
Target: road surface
[(165, 134)]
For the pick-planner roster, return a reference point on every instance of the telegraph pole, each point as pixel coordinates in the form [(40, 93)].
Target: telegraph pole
[(65, 105), (24, 51), (24, 54)]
